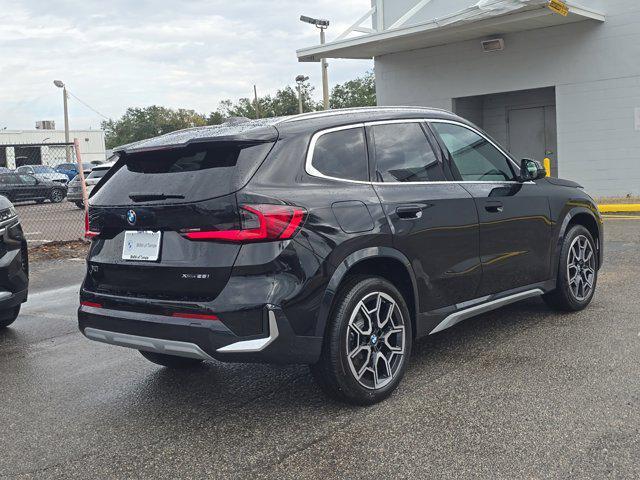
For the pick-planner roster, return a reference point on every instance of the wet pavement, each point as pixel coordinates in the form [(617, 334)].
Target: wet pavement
[(521, 392)]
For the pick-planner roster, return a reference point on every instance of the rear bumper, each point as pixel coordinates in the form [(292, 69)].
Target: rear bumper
[(202, 339)]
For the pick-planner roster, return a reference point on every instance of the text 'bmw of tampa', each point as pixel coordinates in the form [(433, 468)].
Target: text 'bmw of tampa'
[(333, 239)]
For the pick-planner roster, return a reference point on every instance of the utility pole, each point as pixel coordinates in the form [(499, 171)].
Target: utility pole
[(322, 25), (61, 85), (325, 73), (300, 79), (255, 94)]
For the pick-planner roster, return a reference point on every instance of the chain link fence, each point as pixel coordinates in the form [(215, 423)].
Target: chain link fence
[(37, 178)]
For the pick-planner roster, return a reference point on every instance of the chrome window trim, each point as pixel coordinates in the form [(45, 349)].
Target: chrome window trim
[(312, 171)]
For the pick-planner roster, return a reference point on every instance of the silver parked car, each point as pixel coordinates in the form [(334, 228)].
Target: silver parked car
[(74, 194), (44, 173)]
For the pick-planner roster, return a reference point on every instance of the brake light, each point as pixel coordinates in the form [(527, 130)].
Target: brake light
[(259, 223), (88, 233)]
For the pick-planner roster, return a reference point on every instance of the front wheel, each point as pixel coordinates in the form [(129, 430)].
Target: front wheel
[(171, 361), (80, 205), (56, 196), (577, 272), (367, 344), (9, 316)]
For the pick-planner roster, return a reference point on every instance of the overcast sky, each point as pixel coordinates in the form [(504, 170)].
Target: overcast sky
[(116, 54)]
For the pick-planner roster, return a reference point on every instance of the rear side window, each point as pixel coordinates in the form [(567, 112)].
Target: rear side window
[(473, 155), (342, 154), (189, 174), (403, 154)]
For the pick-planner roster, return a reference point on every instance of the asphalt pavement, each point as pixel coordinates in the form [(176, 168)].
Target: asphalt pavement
[(51, 222), (521, 392)]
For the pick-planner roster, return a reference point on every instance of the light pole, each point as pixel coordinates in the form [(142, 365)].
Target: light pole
[(322, 25), (300, 79), (60, 84)]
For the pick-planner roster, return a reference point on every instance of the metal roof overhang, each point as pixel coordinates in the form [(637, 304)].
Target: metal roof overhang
[(469, 24)]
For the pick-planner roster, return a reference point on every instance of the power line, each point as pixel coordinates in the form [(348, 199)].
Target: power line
[(88, 106)]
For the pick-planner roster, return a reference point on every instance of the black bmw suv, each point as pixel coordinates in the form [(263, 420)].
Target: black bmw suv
[(332, 239)]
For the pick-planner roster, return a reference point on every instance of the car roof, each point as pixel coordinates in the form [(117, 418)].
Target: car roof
[(268, 129)]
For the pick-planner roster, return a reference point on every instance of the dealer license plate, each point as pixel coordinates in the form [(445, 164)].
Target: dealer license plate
[(141, 246)]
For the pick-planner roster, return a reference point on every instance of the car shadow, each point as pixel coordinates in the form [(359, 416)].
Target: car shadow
[(216, 388)]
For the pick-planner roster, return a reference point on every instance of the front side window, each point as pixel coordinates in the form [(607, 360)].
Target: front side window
[(474, 156), (28, 179), (403, 154), (342, 154)]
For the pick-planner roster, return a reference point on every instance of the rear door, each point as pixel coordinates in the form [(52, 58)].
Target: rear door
[(515, 224), (172, 192), (434, 219)]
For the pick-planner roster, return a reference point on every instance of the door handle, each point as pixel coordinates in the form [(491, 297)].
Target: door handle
[(494, 207), (409, 212)]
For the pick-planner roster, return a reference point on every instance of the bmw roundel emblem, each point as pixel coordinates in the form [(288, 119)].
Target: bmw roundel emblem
[(131, 217)]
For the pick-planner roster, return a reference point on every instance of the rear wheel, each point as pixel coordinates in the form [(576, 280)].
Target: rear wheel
[(9, 316), (80, 205), (367, 344), (577, 272), (170, 361), (56, 196)]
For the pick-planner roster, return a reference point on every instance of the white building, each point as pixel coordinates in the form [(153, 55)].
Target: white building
[(46, 147), (561, 80)]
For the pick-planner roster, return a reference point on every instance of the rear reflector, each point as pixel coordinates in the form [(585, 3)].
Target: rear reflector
[(196, 316), (259, 223), (91, 304)]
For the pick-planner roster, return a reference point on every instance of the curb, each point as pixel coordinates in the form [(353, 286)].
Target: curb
[(619, 208)]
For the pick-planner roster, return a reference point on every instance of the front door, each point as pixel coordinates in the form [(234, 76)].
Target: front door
[(515, 224), (532, 134), (434, 220)]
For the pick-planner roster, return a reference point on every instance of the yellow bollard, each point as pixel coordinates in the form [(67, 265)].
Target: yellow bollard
[(547, 166)]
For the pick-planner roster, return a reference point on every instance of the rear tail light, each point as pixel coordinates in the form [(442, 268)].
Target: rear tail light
[(259, 223), (88, 233)]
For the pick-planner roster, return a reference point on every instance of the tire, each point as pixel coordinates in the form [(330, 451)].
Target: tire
[(9, 316), (170, 361), (352, 379), (56, 195), (80, 205), (576, 295)]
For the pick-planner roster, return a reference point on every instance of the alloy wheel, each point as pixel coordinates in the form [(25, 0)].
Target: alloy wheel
[(581, 268), (375, 340), (57, 196)]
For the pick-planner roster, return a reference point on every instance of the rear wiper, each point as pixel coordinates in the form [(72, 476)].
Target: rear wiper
[(149, 197)]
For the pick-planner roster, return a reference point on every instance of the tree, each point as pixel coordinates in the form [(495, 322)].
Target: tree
[(283, 102), (359, 92), (141, 123)]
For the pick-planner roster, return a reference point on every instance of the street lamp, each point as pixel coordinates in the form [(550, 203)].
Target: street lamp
[(322, 25), (60, 84), (300, 79)]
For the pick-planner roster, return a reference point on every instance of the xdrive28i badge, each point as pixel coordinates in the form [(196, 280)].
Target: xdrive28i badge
[(131, 217)]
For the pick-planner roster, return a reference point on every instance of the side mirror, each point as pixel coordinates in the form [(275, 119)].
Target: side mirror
[(531, 170)]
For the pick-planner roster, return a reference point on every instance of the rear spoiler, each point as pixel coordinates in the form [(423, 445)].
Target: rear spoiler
[(247, 133)]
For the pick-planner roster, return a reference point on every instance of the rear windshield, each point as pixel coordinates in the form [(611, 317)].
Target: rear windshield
[(188, 174), (97, 173)]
